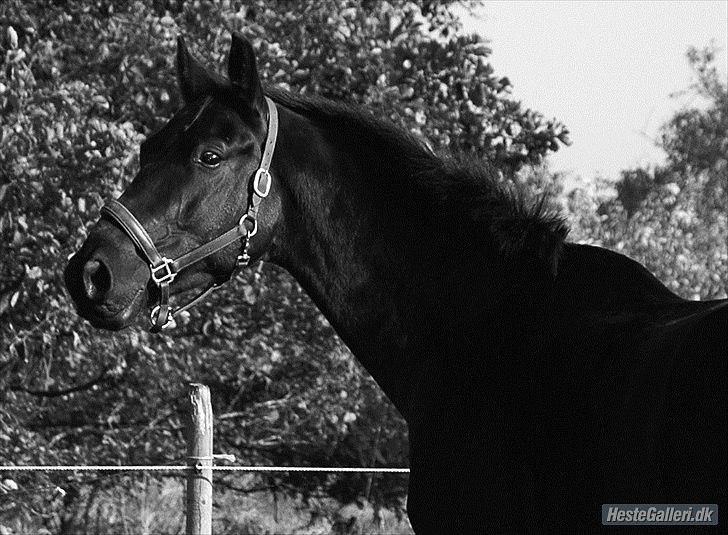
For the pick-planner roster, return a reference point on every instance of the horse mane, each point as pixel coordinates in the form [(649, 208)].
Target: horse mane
[(461, 189)]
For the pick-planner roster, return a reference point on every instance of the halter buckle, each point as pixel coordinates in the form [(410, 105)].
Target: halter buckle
[(168, 274), (262, 174)]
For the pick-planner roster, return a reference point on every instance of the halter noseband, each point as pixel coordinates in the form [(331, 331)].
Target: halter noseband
[(163, 270)]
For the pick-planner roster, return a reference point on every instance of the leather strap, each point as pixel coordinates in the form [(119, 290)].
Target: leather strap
[(134, 229), (209, 248), (272, 135), (161, 318)]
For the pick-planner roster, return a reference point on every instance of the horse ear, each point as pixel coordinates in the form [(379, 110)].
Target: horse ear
[(243, 72), (194, 80)]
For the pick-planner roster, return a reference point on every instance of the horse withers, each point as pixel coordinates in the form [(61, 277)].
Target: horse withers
[(539, 378)]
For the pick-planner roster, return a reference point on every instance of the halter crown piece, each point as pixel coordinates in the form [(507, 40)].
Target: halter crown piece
[(163, 270)]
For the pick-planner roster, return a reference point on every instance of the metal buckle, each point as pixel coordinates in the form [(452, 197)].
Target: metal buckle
[(168, 275), (241, 224), (256, 182)]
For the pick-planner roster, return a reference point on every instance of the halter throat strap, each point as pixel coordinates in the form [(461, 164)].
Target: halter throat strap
[(164, 270)]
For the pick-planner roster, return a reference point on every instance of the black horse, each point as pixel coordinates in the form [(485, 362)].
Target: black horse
[(539, 378)]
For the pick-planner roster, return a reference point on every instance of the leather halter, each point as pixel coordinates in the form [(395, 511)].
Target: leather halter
[(163, 270)]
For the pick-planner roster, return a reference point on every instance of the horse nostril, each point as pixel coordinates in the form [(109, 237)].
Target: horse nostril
[(96, 280)]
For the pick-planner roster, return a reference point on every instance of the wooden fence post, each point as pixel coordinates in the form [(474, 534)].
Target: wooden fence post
[(199, 453)]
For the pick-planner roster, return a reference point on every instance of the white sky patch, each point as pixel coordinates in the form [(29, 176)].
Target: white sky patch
[(604, 69)]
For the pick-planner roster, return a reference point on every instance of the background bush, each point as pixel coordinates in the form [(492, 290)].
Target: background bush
[(672, 217), (82, 83)]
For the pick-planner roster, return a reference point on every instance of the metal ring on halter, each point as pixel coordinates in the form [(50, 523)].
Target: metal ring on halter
[(154, 314), (256, 182), (248, 217)]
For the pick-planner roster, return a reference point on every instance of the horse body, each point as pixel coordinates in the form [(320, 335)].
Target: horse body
[(525, 393), (539, 378)]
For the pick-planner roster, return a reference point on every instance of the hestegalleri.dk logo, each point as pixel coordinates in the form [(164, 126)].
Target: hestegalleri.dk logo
[(659, 514)]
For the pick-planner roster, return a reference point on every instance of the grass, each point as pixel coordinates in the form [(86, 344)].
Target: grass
[(156, 506)]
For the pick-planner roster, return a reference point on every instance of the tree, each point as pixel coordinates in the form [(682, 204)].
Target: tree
[(672, 217), (695, 140)]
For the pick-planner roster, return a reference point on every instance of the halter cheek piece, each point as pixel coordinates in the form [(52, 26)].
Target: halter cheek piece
[(163, 270)]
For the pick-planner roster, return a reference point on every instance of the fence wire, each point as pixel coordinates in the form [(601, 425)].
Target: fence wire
[(170, 468)]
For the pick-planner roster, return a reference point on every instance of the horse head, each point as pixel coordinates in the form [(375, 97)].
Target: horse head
[(194, 212)]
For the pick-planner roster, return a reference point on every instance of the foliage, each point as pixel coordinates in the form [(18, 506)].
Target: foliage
[(81, 84), (673, 218)]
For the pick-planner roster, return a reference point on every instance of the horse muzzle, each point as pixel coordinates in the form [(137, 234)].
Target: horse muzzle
[(108, 289)]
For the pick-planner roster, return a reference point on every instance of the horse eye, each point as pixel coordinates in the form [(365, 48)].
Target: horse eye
[(210, 159)]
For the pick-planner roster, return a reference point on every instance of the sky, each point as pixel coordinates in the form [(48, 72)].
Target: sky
[(604, 69)]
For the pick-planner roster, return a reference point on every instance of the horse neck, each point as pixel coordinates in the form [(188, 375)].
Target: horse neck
[(356, 250)]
